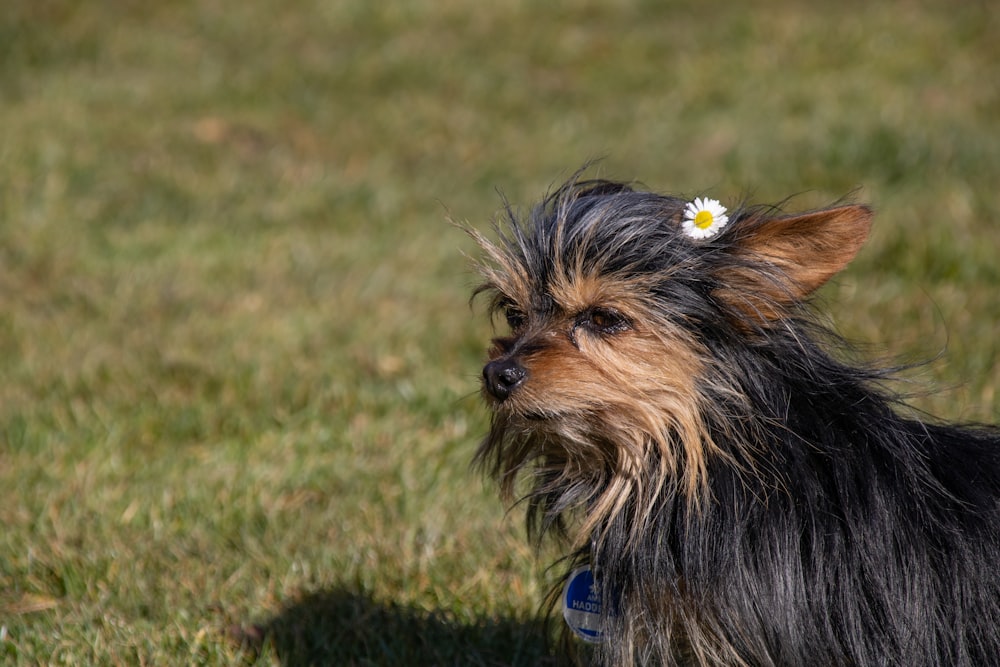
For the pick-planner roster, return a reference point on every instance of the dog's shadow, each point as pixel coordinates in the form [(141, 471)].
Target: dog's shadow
[(342, 627)]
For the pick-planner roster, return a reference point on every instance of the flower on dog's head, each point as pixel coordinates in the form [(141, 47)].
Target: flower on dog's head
[(704, 218)]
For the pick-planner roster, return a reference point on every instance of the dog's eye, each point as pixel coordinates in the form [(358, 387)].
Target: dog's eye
[(515, 318), (604, 320)]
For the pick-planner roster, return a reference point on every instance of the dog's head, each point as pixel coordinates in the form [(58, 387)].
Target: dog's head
[(616, 317)]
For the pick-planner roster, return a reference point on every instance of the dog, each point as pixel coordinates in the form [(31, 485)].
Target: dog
[(736, 488)]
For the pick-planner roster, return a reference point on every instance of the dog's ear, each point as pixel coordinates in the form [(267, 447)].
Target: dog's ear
[(777, 261)]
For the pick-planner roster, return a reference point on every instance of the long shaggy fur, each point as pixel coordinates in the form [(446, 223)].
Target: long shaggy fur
[(745, 497)]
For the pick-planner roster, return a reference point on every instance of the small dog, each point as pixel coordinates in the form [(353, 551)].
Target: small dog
[(742, 495)]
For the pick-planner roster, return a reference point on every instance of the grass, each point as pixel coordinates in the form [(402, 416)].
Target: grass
[(239, 368)]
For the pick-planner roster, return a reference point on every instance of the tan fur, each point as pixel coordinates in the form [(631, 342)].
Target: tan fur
[(803, 252)]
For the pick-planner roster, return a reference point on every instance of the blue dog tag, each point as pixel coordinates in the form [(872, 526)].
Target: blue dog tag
[(582, 605)]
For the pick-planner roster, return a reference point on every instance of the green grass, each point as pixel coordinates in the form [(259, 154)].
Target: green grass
[(238, 365)]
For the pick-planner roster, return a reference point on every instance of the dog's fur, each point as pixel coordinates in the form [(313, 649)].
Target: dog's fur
[(744, 496)]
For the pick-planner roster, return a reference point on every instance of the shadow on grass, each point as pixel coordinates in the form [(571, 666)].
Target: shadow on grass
[(341, 627)]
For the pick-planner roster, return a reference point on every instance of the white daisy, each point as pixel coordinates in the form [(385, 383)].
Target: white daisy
[(704, 218)]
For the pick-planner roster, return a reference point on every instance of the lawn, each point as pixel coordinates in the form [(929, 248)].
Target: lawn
[(239, 366)]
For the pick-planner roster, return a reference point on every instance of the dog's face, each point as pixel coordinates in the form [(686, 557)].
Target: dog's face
[(595, 365), (613, 321), (587, 364)]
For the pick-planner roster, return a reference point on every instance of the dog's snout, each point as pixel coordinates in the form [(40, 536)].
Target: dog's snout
[(502, 377)]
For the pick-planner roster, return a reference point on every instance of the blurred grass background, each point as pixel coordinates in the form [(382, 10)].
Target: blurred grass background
[(237, 363)]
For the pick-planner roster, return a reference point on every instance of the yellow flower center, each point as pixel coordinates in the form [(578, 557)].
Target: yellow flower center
[(703, 220)]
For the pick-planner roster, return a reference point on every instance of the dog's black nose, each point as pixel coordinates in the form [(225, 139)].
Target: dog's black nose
[(502, 377)]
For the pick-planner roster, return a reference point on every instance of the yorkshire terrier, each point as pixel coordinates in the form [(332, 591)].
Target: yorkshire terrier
[(667, 404)]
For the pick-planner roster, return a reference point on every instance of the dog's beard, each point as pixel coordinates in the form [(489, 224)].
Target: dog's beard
[(570, 471)]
